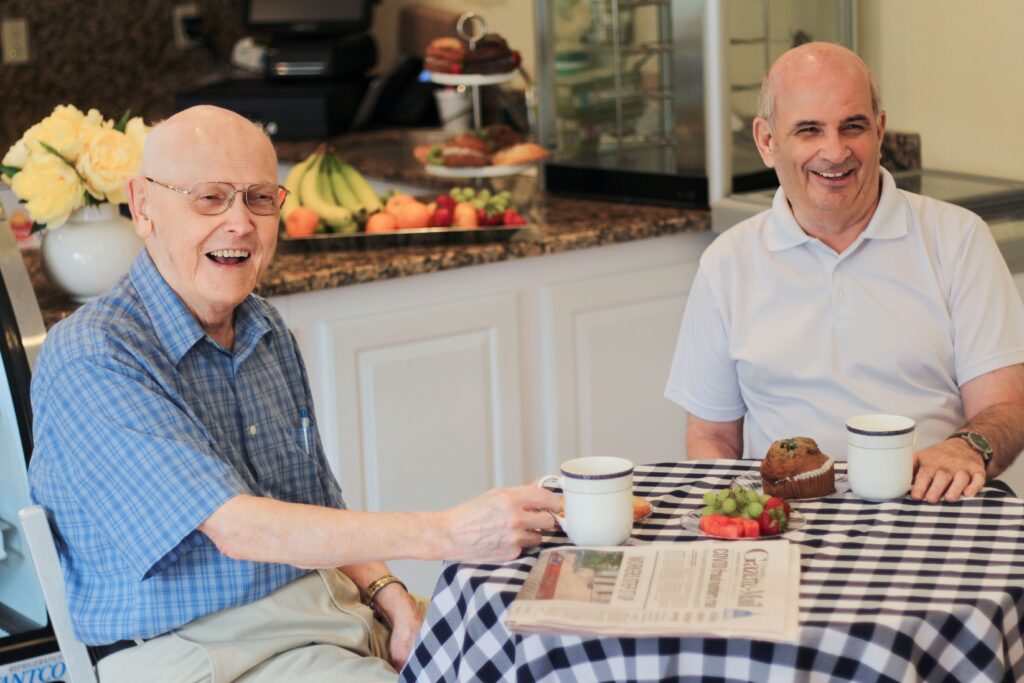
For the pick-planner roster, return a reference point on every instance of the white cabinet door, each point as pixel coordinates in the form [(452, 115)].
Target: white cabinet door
[(612, 343), (423, 405)]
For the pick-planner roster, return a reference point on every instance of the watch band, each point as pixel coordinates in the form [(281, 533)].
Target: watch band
[(376, 586), (978, 443)]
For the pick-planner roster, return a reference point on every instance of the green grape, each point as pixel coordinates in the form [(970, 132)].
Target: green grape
[(723, 495), (484, 194), (708, 510), (729, 506), (755, 510), (710, 498), (764, 498)]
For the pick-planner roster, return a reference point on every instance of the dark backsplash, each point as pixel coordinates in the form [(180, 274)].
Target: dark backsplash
[(109, 54)]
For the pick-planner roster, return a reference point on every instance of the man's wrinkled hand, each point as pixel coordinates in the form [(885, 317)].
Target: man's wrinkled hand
[(947, 471), (497, 525), (405, 617)]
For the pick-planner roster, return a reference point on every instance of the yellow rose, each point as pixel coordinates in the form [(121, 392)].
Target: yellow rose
[(108, 158), (60, 130), (17, 155), (50, 187)]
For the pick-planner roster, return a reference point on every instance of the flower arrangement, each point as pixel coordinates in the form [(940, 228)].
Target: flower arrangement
[(70, 160)]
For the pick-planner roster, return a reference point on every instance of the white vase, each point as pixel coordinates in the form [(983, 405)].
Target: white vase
[(88, 254)]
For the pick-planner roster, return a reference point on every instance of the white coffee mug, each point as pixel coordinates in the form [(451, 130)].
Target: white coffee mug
[(598, 493), (880, 456)]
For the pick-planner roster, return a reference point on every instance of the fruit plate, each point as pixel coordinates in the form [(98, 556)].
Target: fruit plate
[(476, 171), (691, 522), (422, 237), (471, 79), (752, 480)]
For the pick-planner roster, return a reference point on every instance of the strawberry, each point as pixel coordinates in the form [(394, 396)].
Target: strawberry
[(485, 217), (441, 218), (510, 217), (445, 201), (774, 518)]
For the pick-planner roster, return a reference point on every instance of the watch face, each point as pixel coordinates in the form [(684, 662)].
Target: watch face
[(978, 443)]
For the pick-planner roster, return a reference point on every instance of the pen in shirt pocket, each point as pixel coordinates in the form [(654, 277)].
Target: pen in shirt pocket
[(304, 421)]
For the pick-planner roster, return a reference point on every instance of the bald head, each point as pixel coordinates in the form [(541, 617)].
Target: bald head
[(805, 61), (183, 145)]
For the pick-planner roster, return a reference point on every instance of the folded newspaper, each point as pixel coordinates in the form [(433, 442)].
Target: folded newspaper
[(746, 589)]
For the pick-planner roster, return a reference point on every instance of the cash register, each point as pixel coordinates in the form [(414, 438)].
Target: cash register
[(314, 72)]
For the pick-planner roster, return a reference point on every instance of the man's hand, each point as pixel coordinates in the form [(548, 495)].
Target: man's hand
[(405, 618), (496, 526), (946, 471)]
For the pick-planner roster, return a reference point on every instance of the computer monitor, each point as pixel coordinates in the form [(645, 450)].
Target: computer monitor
[(289, 19)]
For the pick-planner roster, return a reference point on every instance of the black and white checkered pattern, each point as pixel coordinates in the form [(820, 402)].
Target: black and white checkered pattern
[(896, 591)]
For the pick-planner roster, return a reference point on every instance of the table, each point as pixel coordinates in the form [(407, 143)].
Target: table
[(895, 591)]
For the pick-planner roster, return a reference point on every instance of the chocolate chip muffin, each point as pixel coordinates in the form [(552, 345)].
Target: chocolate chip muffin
[(795, 468)]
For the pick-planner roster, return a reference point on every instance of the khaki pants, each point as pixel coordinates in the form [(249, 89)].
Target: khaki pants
[(313, 629)]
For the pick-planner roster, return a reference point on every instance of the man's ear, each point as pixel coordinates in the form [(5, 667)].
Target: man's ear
[(763, 139), (137, 199), (881, 127)]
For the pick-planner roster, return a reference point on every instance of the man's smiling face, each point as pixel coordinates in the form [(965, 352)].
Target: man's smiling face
[(824, 141), (211, 262)]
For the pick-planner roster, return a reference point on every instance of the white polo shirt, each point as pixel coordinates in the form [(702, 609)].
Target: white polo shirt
[(781, 329)]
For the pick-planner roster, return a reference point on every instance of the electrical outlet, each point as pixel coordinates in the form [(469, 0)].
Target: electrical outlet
[(14, 37), (180, 13)]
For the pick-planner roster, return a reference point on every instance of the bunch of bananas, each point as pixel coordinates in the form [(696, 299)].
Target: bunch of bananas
[(333, 189)]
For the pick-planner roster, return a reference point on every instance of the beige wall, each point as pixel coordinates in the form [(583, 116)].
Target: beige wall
[(952, 71), (513, 19)]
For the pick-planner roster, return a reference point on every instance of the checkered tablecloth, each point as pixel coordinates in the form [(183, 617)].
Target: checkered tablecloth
[(896, 591)]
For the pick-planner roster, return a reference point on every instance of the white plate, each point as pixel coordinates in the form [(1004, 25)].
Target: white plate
[(476, 171), (691, 522), (471, 79), (752, 480)]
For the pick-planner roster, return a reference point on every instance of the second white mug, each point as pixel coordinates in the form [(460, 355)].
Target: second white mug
[(598, 493), (880, 456)]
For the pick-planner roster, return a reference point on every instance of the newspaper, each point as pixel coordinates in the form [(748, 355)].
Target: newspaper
[(746, 589)]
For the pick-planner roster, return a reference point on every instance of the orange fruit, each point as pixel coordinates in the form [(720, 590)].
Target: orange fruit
[(380, 222), (411, 215), (397, 200), (464, 215), (301, 222)]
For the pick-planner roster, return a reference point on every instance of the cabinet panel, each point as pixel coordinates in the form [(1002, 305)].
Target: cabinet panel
[(613, 340), (424, 403), (423, 408)]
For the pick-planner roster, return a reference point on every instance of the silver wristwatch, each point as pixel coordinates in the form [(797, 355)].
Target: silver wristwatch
[(978, 443)]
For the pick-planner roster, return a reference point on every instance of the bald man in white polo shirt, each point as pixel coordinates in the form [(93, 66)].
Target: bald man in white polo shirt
[(850, 296)]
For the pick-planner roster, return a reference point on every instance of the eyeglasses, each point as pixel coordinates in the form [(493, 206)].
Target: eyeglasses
[(214, 198)]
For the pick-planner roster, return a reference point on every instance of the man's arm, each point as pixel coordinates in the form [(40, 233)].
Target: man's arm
[(994, 407), (494, 526), (706, 439)]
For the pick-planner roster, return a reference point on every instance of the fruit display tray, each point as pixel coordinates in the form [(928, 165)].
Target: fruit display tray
[(422, 237)]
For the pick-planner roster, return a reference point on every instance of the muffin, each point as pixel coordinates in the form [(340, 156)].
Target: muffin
[(795, 468), (490, 55)]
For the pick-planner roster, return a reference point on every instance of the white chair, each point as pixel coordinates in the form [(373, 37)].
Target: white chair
[(41, 547)]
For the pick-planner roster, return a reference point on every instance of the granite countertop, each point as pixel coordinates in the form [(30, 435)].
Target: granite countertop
[(557, 224)]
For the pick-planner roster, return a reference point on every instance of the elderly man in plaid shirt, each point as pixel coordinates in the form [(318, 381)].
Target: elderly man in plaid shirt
[(177, 455)]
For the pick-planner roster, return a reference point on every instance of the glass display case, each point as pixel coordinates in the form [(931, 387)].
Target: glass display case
[(621, 88)]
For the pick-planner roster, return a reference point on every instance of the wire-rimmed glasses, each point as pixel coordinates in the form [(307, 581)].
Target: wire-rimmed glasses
[(211, 198)]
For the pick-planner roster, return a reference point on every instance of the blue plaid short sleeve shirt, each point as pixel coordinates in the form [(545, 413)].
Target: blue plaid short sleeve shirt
[(143, 427)]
